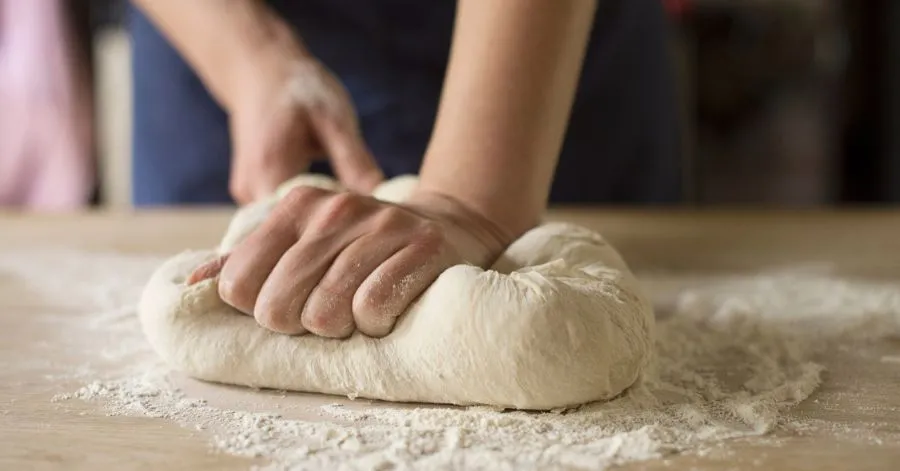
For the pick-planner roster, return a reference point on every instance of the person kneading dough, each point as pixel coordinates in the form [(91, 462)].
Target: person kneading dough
[(330, 263), (492, 306)]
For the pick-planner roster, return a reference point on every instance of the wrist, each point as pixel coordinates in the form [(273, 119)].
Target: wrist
[(457, 216), (263, 60), (494, 230), (511, 208)]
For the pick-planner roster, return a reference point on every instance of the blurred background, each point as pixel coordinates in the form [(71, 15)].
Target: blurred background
[(788, 103)]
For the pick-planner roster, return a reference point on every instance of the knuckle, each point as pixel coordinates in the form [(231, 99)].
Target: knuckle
[(301, 196), (344, 203), (339, 209), (231, 290), (316, 321), (328, 313), (372, 318), (371, 301), (329, 292), (275, 319), (328, 323), (430, 234), (429, 238), (274, 322), (367, 308), (266, 317), (389, 218)]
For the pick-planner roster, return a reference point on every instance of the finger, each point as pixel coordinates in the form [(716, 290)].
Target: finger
[(334, 226), (329, 308), (350, 158), (251, 262), (286, 161), (243, 275), (281, 150), (282, 296), (254, 181), (392, 287), (208, 270), (280, 173)]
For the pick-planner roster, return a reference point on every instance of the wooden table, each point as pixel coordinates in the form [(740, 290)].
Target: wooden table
[(37, 434)]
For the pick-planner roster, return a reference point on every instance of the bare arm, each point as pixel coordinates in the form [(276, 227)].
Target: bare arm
[(285, 108), (505, 105), (226, 40), (510, 85)]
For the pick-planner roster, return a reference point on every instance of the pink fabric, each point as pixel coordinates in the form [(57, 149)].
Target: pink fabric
[(45, 110)]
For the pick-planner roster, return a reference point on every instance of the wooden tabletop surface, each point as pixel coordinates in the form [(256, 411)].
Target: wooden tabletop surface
[(36, 433)]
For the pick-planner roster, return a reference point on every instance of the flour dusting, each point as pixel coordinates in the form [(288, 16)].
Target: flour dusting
[(733, 355)]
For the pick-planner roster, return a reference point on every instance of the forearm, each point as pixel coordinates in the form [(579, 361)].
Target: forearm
[(225, 40), (510, 84)]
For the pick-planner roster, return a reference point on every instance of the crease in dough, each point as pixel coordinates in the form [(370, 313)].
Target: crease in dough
[(558, 321)]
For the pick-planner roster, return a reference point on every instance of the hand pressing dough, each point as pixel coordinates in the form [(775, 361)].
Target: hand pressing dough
[(558, 321)]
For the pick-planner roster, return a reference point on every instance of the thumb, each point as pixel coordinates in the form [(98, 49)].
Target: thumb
[(267, 157), (350, 158)]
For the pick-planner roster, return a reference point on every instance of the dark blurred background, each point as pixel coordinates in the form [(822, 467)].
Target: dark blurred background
[(786, 102)]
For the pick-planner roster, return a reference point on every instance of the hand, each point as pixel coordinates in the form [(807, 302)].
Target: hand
[(332, 263), (289, 114)]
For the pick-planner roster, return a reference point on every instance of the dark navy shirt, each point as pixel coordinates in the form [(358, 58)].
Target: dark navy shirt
[(622, 144)]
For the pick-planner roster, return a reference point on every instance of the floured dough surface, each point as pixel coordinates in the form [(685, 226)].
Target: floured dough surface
[(558, 321)]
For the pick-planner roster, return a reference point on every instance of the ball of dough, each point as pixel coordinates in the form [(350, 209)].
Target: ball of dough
[(558, 321), (308, 179), (396, 190)]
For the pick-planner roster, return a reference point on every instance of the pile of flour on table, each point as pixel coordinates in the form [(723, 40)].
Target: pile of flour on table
[(734, 353)]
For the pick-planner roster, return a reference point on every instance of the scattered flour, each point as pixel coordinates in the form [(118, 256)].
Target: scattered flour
[(733, 354)]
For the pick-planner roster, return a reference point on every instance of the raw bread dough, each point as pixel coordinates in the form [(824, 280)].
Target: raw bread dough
[(558, 321)]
